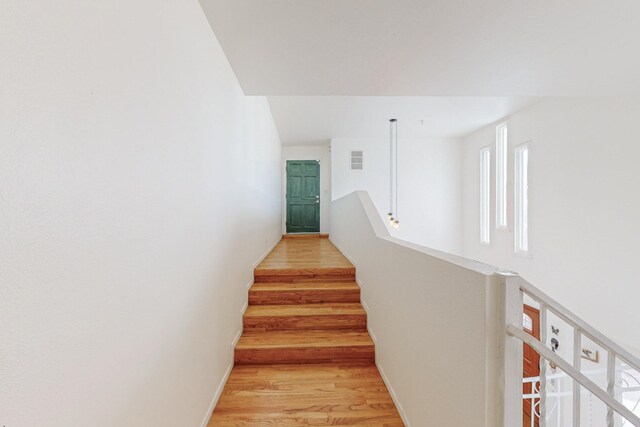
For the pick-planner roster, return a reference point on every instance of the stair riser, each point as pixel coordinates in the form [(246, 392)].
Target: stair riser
[(303, 297), (305, 274), (364, 354), (325, 322)]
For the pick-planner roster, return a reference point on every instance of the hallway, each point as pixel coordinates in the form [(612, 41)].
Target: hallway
[(305, 357)]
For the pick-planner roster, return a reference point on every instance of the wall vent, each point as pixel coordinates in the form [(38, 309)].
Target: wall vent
[(356, 160)]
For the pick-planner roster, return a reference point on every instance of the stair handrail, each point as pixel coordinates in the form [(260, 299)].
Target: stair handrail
[(549, 355), (575, 321), (580, 328)]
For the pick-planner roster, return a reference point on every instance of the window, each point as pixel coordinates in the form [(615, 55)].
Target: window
[(527, 322), (501, 176), (485, 194), (521, 166), (357, 160)]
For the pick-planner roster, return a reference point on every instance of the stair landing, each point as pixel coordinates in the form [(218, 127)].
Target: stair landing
[(305, 357), (304, 259)]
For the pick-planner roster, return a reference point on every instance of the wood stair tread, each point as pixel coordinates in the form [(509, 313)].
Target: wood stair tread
[(291, 274), (306, 339), (292, 293), (305, 356), (300, 269), (304, 346), (299, 310), (304, 286)]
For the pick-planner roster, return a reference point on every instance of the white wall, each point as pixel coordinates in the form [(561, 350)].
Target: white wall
[(584, 207), (138, 185), (429, 186), (309, 152), (433, 317)]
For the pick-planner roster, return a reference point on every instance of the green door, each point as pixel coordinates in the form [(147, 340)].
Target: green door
[(303, 196)]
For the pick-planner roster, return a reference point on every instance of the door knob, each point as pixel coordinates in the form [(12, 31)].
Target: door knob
[(317, 202)]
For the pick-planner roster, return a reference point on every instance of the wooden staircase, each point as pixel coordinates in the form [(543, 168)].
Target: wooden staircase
[(305, 357), (304, 314)]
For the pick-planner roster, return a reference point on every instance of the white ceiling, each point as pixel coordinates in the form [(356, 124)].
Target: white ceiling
[(312, 120), (431, 47), (456, 65)]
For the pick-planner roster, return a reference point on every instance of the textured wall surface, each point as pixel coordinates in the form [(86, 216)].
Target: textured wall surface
[(431, 317), (138, 185), (429, 185), (583, 207)]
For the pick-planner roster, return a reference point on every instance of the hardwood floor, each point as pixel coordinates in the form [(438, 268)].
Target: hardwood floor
[(305, 346), (304, 259), (305, 316), (305, 395), (303, 293), (305, 357)]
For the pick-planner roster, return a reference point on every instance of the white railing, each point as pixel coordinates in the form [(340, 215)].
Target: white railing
[(407, 287), (533, 399), (610, 397), (625, 384)]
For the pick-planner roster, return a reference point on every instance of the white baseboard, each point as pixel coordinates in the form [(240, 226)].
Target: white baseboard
[(235, 340), (223, 382), (366, 309), (394, 397), (362, 301), (217, 395), (392, 392), (264, 255), (220, 387), (344, 255)]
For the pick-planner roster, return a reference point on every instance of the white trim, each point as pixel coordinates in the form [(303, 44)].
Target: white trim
[(348, 259), (285, 175), (485, 195), (362, 301), (366, 309), (266, 254), (216, 396), (570, 318), (220, 387), (244, 307), (578, 376), (392, 392), (386, 381), (234, 342), (225, 378), (237, 338), (502, 172), (521, 200)]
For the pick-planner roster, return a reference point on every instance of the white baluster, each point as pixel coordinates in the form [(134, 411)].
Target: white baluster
[(533, 402), (611, 379), (543, 367), (577, 363)]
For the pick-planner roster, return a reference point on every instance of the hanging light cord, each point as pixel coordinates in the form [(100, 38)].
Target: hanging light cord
[(396, 174), (393, 173), (390, 169)]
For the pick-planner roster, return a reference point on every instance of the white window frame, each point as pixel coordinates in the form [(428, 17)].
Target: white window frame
[(521, 199), (502, 147), (485, 195)]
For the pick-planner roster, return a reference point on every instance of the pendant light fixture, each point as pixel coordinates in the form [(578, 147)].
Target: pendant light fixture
[(393, 174)]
